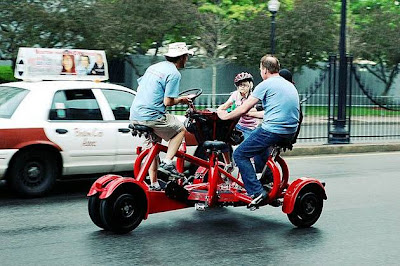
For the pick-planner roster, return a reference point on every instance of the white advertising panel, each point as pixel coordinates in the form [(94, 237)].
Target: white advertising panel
[(61, 64)]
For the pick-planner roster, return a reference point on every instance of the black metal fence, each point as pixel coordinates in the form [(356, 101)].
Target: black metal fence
[(370, 117)]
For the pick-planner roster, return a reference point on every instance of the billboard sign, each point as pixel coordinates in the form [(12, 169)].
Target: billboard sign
[(61, 64)]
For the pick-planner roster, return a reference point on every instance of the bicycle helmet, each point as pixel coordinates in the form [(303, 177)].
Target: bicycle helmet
[(243, 76)]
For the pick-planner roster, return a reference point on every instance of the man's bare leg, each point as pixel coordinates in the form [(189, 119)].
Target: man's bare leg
[(174, 145), (153, 171)]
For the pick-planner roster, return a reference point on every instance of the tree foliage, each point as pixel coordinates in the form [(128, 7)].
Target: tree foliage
[(306, 30), (304, 35), (134, 26), (375, 37), (118, 26), (43, 23)]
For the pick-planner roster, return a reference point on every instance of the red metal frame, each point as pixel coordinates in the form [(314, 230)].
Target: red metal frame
[(212, 192), (215, 191)]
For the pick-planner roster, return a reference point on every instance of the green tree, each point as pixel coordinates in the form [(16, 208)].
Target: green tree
[(127, 27), (216, 31), (41, 23), (306, 32), (375, 37), (121, 27)]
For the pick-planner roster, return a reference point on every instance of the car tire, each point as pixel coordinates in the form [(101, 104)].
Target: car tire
[(33, 173)]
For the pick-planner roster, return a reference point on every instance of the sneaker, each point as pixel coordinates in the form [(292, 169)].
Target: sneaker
[(258, 198), (169, 169), (229, 167), (155, 188)]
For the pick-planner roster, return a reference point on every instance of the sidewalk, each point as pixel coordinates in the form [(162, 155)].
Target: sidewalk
[(301, 149)]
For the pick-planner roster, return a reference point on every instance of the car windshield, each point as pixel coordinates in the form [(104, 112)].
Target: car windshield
[(10, 98)]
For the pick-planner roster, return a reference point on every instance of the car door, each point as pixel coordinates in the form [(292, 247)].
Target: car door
[(76, 124), (120, 102)]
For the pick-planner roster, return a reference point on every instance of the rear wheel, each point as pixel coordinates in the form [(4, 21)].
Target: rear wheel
[(307, 209), (34, 172), (122, 211)]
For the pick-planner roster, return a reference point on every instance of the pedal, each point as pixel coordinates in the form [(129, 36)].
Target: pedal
[(252, 207), (200, 207)]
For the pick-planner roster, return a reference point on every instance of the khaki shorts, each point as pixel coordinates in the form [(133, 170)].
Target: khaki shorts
[(166, 127)]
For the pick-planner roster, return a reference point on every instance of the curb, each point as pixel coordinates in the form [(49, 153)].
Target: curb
[(301, 150)]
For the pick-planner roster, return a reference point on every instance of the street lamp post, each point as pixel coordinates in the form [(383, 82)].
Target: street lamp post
[(273, 7), (340, 135)]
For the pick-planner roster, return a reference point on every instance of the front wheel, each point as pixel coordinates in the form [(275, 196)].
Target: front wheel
[(122, 211), (307, 209), (33, 172)]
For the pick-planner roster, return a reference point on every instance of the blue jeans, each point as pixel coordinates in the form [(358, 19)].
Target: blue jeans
[(257, 146), (245, 130)]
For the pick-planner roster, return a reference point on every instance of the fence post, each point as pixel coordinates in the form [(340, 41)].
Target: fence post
[(339, 134)]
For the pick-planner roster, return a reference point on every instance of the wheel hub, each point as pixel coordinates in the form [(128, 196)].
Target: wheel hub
[(309, 208), (127, 209), (33, 174), (309, 204)]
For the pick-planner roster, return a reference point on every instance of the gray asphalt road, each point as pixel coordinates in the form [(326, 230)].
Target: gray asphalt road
[(359, 225)]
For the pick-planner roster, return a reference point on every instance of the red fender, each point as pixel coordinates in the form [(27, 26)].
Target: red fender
[(295, 187), (99, 184), (114, 184)]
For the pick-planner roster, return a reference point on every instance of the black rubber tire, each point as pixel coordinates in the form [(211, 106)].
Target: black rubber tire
[(33, 173), (122, 211), (307, 209), (94, 210)]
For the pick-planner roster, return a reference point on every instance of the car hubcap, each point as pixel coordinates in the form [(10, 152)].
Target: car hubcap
[(33, 174)]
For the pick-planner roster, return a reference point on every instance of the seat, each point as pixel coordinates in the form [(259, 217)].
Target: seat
[(284, 145), (215, 146), (139, 130)]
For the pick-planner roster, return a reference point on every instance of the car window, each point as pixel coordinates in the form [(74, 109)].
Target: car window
[(120, 103), (10, 98), (75, 105)]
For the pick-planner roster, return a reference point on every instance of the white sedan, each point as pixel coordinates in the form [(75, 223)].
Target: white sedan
[(50, 129)]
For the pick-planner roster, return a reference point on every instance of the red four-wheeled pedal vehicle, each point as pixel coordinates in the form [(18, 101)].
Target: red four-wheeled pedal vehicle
[(119, 204)]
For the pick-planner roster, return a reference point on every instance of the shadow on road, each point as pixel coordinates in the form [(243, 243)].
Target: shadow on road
[(188, 237)]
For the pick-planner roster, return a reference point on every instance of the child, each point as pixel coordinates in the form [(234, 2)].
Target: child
[(244, 86)]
